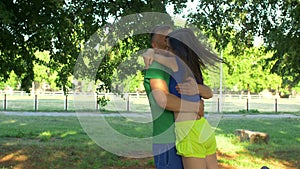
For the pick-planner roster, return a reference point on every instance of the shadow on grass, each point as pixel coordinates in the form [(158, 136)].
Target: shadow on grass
[(49, 156), (38, 156), (54, 142)]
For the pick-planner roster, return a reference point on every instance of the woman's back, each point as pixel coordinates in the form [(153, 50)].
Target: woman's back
[(180, 77)]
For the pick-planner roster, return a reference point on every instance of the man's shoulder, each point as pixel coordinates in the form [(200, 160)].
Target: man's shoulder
[(157, 71)]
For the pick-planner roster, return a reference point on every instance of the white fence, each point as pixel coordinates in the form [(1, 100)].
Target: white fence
[(138, 102)]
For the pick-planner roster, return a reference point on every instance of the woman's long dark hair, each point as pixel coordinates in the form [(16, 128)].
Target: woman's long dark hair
[(185, 45)]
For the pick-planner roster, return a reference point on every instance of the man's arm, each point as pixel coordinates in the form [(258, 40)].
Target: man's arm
[(171, 102)]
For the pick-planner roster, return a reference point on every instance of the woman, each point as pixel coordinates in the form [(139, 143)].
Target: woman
[(195, 139)]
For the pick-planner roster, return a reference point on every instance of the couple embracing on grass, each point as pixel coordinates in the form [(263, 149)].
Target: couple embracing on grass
[(182, 137)]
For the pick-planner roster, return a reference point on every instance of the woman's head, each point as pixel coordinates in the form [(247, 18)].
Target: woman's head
[(185, 44)]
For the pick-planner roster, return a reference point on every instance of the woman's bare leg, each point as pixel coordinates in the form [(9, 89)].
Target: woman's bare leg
[(211, 161), (193, 163)]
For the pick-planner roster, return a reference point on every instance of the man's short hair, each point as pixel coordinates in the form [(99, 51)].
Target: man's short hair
[(159, 29)]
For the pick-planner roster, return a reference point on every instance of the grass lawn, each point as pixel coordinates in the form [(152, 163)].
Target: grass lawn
[(60, 142)]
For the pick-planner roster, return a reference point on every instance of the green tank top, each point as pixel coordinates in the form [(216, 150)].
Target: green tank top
[(163, 120)]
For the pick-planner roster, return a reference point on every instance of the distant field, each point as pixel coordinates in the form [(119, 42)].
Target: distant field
[(139, 103)]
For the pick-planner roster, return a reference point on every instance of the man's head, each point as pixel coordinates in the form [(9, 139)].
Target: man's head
[(158, 36)]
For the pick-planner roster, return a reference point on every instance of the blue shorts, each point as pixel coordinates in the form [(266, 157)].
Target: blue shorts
[(166, 157)]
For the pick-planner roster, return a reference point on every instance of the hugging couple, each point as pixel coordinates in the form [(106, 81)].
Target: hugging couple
[(182, 137)]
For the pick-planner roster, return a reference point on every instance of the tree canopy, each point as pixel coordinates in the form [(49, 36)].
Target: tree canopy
[(61, 27), (239, 21)]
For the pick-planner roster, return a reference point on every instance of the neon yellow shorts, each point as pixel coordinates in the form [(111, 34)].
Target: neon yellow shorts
[(195, 138)]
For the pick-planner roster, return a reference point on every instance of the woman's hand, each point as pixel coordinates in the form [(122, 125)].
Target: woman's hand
[(201, 109), (148, 57), (190, 87)]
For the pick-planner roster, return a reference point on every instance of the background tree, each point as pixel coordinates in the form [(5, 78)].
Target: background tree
[(249, 70), (238, 22), (60, 27), (12, 82), (43, 75)]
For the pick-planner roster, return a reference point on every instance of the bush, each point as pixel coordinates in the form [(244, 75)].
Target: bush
[(103, 101), (45, 136)]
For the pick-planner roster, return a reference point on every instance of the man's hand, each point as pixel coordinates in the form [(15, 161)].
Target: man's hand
[(148, 57), (190, 87)]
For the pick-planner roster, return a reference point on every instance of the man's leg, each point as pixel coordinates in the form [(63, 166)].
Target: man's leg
[(165, 157)]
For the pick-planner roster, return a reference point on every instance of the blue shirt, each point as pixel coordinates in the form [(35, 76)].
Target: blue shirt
[(180, 77)]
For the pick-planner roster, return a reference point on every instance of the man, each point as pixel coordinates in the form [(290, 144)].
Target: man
[(162, 104)]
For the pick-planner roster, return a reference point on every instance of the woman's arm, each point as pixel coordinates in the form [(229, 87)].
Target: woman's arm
[(169, 62), (163, 57), (168, 59), (205, 91), (190, 87)]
